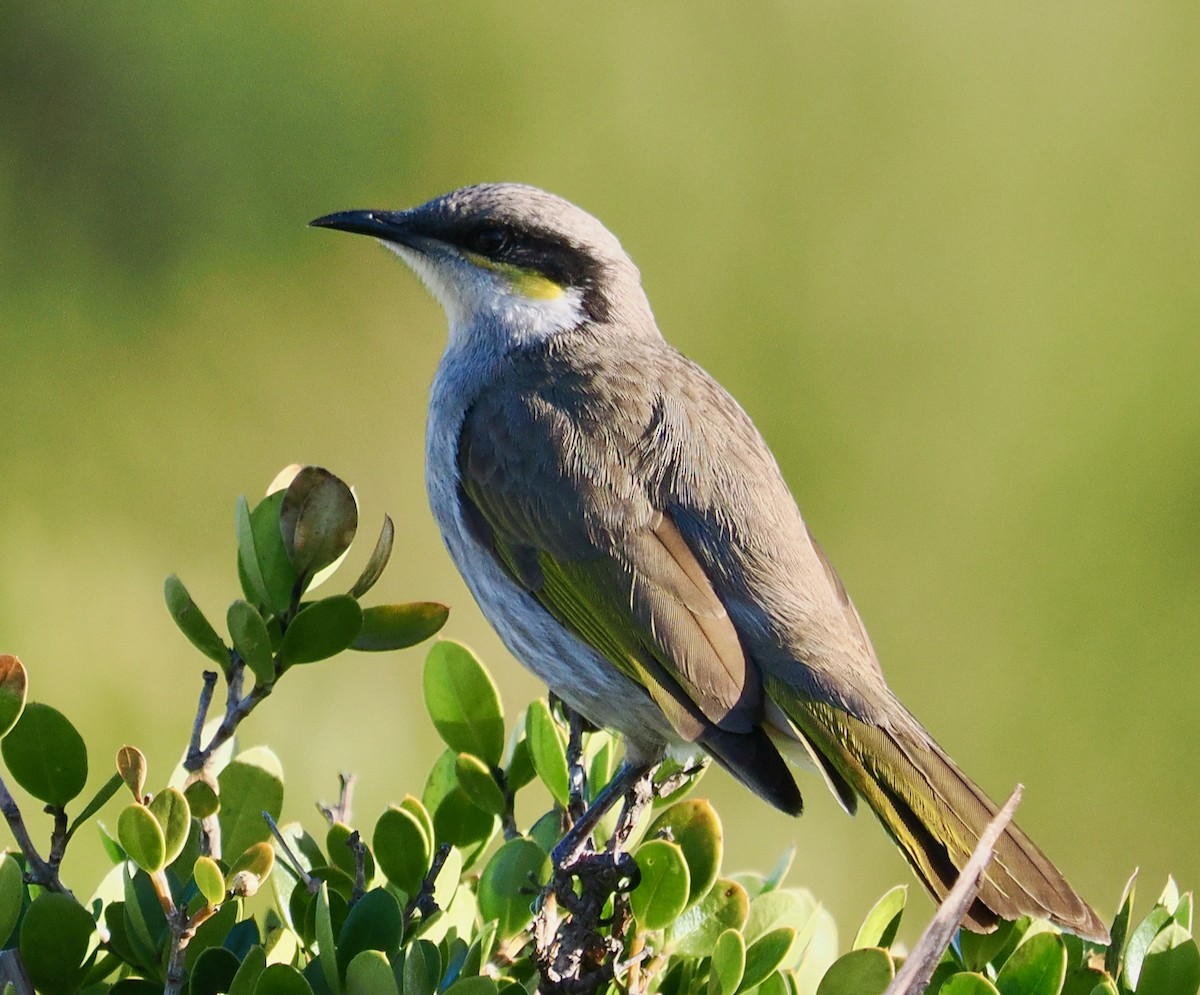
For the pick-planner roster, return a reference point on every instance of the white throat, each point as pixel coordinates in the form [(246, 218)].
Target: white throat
[(484, 304)]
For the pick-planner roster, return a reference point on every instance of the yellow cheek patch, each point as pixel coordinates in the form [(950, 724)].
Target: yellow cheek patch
[(525, 282)]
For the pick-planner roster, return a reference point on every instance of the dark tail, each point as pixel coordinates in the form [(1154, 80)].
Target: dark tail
[(935, 813)]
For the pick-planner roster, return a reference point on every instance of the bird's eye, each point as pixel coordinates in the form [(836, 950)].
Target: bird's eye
[(488, 240)]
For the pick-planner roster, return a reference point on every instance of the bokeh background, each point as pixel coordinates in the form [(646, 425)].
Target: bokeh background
[(947, 255)]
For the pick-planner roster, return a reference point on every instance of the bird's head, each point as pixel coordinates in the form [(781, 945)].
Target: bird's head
[(509, 258)]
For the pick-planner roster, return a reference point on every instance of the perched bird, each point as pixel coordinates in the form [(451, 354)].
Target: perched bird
[(627, 531)]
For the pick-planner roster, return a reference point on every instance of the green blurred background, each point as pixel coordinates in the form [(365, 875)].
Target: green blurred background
[(946, 254)]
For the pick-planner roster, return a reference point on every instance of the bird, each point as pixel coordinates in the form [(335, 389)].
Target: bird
[(625, 528)]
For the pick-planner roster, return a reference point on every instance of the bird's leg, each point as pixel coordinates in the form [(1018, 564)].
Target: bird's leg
[(576, 777), (625, 780)]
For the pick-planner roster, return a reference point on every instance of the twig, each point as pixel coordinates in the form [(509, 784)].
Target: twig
[(914, 976), (341, 811), (42, 872), (311, 884), (359, 849), (576, 776), (422, 902)]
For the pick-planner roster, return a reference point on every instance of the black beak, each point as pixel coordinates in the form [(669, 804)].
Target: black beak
[(391, 226)]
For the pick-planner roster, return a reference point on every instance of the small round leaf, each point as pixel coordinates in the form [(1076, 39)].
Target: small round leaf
[(963, 983), (251, 869), (1037, 967), (726, 906), (45, 755), (547, 749), (131, 765), (282, 979), (13, 685), (171, 810), (402, 849), (728, 962), (12, 895), (369, 973), (378, 560), (192, 623), (209, 880), (376, 923), (396, 627), (504, 886), (463, 702), (252, 640), (1172, 964), (866, 971), (54, 942), (477, 783), (201, 795), (766, 954), (696, 828), (250, 784), (882, 921), (321, 630), (212, 972), (317, 519), (662, 893), (142, 837)]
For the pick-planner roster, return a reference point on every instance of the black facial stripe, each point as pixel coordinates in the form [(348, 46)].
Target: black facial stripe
[(546, 253)]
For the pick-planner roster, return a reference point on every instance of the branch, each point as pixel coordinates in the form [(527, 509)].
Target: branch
[(914, 976), (42, 872)]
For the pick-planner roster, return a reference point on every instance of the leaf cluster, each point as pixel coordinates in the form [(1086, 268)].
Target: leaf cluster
[(453, 890)]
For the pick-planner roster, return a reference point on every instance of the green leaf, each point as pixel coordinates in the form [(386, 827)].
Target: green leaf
[(250, 784), (456, 819), (726, 906), (696, 828), (1037, 967), (375, 923), (1183, 911), (964, 983), (662, 893), (422, 969), (131, 766), (478, 784), (794, 907), (107, 790), (54, 941), (882, 921), (318, 519), (480, 985), (1105, 987), (1172, 964), (728, 963), (213, 972), (1139, 943), (1120, 928), (45, 755), (13, 685), (171, 810), (252, 640), (325, 941), (864, 971), (12, 896), (979, 949), (402, 849), (193, 624), (547, 749), (396, 627), (209, 880), (321, 630), (765, 954), (337, 845), (142, 837), (251, 969), (282, 979), (463, 702), (145, 924), (262, 557), (504, 886), (378, 560), (370, 974), (201, 795)]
